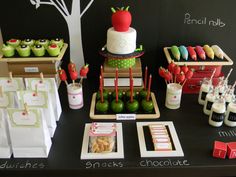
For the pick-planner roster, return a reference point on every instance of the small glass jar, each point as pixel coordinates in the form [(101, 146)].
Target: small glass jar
[(210, 99), (230, 118), (217, 114)]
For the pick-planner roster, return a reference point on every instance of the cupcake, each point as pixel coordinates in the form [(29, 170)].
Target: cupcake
[(38, 50), (29, 42), (23, 50), (8, 51), (58, 41), (43, 42), (53, 50), (13, 42)]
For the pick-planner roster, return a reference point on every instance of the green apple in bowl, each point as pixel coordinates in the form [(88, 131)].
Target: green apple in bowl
[(102, 107), (8, 51), (29, 42), (58, 41), (43, 42), (53, 50), (133, 106), (23, 50), (147, 106), (117, 107), (13, 42), (38, 50)]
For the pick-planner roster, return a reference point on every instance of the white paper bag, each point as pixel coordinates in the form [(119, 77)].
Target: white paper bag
[(49, 85), (6, 100), (12, 85), (39, 100), (29, 133), (5, 144)]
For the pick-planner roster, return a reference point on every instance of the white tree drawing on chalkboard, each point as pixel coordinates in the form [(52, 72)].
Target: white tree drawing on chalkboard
[(73, 21)]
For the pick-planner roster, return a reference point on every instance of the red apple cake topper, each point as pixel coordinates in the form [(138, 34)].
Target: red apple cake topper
[(121, 19)]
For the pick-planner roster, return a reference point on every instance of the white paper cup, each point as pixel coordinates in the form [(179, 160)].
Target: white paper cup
[(75, 96), (173, 95)]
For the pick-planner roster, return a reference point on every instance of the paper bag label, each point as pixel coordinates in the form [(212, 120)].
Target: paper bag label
[(11, 85), (19, 118), (34, 100), (45, 85)]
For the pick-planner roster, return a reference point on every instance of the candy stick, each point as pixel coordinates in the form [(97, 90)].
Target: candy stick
[(101, 89), (145, 77), (213, 73), (116, 87), (234, 85), (149, 87), (41, 76), (131, 90), (228, 74)]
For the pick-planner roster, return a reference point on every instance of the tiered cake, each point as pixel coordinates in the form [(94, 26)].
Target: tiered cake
[(121, 52)]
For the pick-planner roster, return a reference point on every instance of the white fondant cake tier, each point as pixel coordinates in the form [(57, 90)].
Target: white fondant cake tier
[(121, 42)]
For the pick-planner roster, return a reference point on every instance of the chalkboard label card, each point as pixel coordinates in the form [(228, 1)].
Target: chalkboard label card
[(146, 150), (117, 154)]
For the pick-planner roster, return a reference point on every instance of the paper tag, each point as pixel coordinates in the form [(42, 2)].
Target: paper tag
[(4, 100), (125, 116), (31, 69), (33, 99), (10, 85), (45, 85), (21, 118)]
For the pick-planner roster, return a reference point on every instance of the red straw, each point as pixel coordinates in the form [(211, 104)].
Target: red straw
[(102, 73), (130, 74), (149, 87), (145, 77), (101, 90), (116, 87), (131, 90)]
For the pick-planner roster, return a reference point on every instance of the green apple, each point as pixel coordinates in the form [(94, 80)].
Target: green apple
[(143, 94), (43, 42), (14, 42), (147, 106), (105, 95), (117, 107), (29, 42), (8, 51), (120, 94), (53, 50), (132, 106), (102, 107), (58, 41), (23, 50), (38, 50)]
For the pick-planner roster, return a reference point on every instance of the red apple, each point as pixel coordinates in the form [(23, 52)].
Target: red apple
[(121, 19), (73, 74), (84, 70), (71, 66)]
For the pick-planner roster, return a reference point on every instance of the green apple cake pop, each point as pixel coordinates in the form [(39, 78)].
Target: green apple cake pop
[(58, 41), (23, 50), (29, 42), (43, 42), (13, 42), (8, 51), (53, 50), (38, 50)]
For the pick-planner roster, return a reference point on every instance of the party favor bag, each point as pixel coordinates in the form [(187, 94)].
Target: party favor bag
[(39, 99), (5, 144), (29, 133), (49, 85)]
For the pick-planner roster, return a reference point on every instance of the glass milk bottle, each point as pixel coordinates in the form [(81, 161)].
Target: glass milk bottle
[(217, 114), (229, 96), (205, 87), (210, 99), (230, 118)]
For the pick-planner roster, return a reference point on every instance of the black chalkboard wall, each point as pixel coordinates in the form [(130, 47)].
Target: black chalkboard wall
[(159, 23)]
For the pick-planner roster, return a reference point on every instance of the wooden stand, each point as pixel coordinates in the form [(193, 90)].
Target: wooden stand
[(93, 115)]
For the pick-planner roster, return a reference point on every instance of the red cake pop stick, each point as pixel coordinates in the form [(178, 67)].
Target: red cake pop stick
[(149, 87), (101, 90), (101, 72), (131, 90), (145, 77), (116, 87)]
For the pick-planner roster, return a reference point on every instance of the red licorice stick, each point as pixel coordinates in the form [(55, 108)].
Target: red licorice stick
[(192, 52), (130, 74), (131, 90), (116, 87), (101, 90), (102, 74), (149, 87), (145, 77)]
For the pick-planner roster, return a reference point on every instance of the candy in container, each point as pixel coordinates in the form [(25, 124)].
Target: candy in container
[(184, 52), (200, 52), (209, 52), (175, 52), (192, 53), (218, 52)]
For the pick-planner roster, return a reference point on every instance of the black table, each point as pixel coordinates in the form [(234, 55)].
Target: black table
[(195, 135)]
